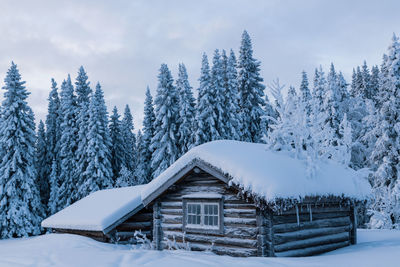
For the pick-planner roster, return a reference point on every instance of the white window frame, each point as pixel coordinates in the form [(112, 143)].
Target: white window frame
[(201, 228), (202, 225)]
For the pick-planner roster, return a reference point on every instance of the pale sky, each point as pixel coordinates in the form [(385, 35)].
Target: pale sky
[(121, 44)]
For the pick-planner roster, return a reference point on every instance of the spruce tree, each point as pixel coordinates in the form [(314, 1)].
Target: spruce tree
[(164, 142), (205, 114), (141, 172), (233, 114), (53, 133), (305, 94), (20, 206), (386, 154), (42, 169), (251, 91), (98, 171), (83, 92), (186, 111), (117, 145), (219, 95), (129, 139), (145, 151), (67, 181)]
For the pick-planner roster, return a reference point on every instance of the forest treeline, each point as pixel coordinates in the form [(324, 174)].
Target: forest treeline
[(81, 148)]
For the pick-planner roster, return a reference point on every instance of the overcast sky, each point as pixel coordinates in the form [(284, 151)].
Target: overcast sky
[(121, 44)]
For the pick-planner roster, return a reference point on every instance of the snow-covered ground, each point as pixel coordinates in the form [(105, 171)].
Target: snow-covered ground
[(375, 248)]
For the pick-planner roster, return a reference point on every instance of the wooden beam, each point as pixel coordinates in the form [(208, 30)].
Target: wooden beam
[(123, 218), (353, 219)]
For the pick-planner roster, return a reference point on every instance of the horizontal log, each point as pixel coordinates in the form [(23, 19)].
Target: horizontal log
[(140, 217), (172, 211), (240, 221), (291, 227), (311, 242), (171, 218), (207, 239), (132, 234), (235, 252), (280, 238), (171, 205), (304, 209), (306, 217), (238, 204), (131, 226), (312, 250), (171, 226)]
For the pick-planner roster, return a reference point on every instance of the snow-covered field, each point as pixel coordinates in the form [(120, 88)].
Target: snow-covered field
[(375, 248)]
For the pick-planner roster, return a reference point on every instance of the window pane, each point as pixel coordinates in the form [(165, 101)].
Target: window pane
[(215, 209), (205, 209), (215, 220)]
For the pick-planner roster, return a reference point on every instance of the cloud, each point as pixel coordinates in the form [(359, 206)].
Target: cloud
[(122, 43)]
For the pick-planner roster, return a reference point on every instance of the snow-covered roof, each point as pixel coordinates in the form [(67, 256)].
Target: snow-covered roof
[(98, 210), (268, 174)]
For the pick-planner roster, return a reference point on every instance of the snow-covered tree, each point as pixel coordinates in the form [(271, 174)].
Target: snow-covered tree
[(98, 172), (42, 169), (53, 131), (386, 154), (66, 184), (305, 94), (20, 206), (117, 143), (141, 172), (83, 92), (186, 111), (125, 178), (251, 91), (144, 151), (232, 113), (129, 139), (205, 115), (219, 96), (164, 143)]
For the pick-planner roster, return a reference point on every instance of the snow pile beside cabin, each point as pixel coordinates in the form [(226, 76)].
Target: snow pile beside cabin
[(98, 210), (269, 174)]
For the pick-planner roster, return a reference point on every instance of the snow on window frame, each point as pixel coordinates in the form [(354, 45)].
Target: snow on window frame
[(202, 228)]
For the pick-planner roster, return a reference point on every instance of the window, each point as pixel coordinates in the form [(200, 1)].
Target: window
[(203, 214)]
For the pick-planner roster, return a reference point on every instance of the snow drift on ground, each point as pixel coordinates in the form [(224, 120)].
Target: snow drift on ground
[(98, 210), (375, 248), (269, 174)]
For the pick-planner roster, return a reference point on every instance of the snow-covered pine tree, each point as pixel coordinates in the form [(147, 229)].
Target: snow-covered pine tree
[(66, 184), (83, 92), (233, 113), (374, 82), (386, 154), (205, 115), (144, 151), (42, 169), (305, 94), (117, 143), (218, 91), (141, 171), (125, 178), (20, 206), (98, 172), (53, 131), (129, 140), (251, 92), (366, 80), (186, 111), (164, 143)]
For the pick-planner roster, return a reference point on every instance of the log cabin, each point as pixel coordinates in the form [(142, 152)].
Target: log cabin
[(110, 215), (239, 199), (231, 198)]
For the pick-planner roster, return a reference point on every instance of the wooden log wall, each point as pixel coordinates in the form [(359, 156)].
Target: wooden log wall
[(240, 234), (312, 229), (141, 221), (96, 235)]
